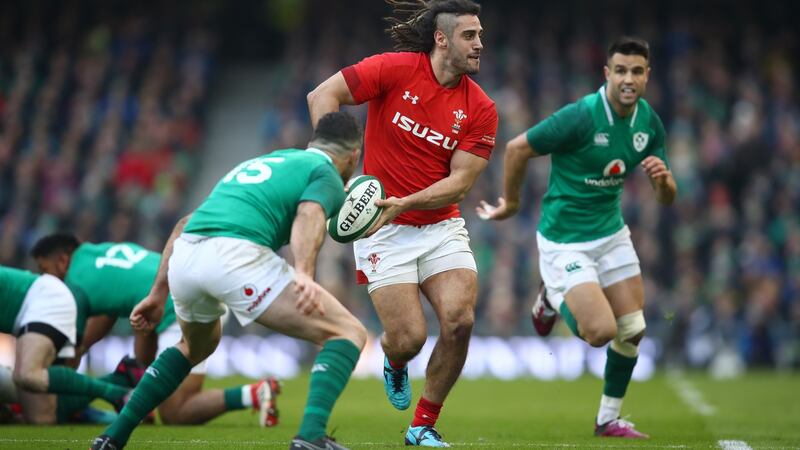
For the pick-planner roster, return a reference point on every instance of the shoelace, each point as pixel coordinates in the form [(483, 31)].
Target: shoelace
[(624, 423), (397, 380), (433, 431)]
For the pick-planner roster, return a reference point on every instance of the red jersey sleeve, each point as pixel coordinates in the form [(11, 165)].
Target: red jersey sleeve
[(481, 136), (376, 74)]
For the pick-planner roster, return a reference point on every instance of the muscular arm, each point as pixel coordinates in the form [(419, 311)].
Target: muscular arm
[(464, 170), (160, 288), (515, 163), (308, 232), (328, 96), (97, 327)]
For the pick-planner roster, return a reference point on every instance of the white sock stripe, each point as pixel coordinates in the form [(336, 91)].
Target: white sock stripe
[(247, 396)]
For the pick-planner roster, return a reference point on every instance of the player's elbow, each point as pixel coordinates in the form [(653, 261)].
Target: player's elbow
[(311, 97), (314, 97)]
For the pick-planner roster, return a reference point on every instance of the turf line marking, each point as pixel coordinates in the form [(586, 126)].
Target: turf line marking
[(689, 394), (734, 445), (173, 443)]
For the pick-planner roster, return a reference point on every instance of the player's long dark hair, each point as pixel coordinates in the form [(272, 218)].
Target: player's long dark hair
[(414, 21)]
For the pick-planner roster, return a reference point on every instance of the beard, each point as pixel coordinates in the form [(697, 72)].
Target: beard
[(464, 64)]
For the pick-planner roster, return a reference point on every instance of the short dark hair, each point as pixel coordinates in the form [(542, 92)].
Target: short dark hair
[(414, 22), (337, 132), (629, 45), (54, 244)]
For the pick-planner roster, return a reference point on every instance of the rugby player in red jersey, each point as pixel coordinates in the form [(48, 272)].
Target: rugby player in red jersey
[(430, 130)]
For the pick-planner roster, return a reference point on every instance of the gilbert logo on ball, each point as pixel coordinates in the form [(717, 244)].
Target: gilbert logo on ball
[(358, 212)]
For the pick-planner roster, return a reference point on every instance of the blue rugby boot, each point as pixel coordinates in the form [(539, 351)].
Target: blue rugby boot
[(397, 386), (424, 436)]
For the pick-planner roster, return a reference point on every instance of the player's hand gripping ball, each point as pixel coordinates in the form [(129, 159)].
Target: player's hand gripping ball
[(358, 212)]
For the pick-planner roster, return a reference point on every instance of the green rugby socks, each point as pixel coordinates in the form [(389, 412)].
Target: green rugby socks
[(160, 380), (65, 380), (329, 375)]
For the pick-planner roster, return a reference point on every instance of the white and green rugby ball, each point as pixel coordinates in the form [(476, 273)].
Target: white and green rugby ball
[(358, 212)]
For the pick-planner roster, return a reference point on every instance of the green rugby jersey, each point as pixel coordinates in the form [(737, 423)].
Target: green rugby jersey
[(258, 199), (111, 278), (592, 151), (14, 286)]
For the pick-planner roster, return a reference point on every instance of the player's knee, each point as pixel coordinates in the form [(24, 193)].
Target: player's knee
[(30, 380), (631, 331), (199, 353), (599, 334), (408, 345), (458, 326), (357, 333)]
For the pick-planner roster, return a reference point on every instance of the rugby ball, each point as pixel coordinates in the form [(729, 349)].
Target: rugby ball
[(358, 212)]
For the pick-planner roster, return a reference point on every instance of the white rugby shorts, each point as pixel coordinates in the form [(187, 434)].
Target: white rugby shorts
[(399, 254), (604, 261), (206, 274), (50, 301)]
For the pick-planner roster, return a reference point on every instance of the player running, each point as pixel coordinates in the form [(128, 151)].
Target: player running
[(430, 131), (108, 280), (588, 264), (224, 255), (41, 312)]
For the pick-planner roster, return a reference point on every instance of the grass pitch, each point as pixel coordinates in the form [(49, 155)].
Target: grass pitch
[(758, 411)]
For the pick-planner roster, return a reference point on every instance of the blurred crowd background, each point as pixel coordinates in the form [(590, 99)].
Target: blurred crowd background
[(105, 109)]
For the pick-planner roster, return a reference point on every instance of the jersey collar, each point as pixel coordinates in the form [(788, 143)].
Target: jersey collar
[(319, 152), (609, 112)]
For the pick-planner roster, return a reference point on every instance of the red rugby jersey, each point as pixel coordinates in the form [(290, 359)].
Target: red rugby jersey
[(414, 124)]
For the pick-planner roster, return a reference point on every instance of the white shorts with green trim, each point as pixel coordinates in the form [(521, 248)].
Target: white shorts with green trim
[(604, 261)]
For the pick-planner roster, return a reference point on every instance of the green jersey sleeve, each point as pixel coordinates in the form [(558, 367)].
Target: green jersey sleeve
[(563, 131), (326, 188), (659, 139)]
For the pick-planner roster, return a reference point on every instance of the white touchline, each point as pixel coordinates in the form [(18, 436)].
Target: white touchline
[(184, 442), (734, 445), (689, 394)]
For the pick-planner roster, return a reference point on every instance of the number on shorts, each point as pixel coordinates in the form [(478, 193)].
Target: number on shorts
[(121, 256), (253, 171)]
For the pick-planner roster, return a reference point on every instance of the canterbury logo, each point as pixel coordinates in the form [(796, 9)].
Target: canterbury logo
[(152, 371), (572, 267), (436, 138), (319, 367)]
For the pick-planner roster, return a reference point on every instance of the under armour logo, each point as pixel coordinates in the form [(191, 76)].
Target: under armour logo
[(407, 96), (152, 371)]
